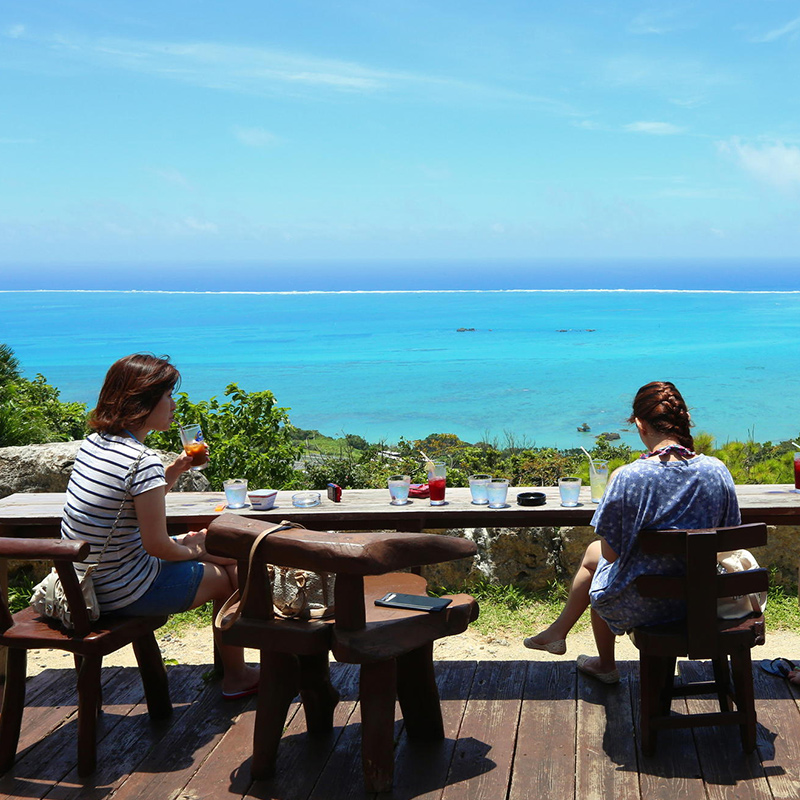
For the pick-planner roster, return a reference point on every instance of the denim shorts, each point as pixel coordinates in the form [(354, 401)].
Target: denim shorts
[(173, 590)]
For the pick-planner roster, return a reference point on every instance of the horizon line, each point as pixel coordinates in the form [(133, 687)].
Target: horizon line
[(399, 291)]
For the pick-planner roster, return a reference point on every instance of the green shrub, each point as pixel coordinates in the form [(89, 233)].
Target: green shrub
[(248, 437)]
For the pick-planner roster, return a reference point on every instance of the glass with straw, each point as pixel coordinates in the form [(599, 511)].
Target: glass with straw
[(598, 476)]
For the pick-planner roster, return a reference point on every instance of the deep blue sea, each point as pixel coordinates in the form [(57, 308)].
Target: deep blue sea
[(385, 365)]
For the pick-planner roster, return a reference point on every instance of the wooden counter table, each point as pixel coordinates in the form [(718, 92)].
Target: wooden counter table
[(369, 509)]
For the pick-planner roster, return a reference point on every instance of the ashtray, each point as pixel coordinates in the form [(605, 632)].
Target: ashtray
[(531, 499), (305, 499)]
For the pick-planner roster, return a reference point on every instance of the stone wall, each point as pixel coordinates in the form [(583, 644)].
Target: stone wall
[(532, 558), (47, 467)]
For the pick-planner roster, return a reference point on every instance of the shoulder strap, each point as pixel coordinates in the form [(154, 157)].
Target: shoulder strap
[(221, 622)]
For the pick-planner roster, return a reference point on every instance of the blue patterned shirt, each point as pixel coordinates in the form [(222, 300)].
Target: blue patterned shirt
[(654, 495)]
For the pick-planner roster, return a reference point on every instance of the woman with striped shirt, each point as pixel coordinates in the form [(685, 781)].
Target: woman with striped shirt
[(143, 571)]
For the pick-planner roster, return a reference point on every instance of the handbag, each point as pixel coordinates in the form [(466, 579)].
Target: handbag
[(50, 600), (743, 604), (296, 593)]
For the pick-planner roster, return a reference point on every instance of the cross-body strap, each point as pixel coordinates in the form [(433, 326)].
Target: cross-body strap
[(221, 622), (128, 483)]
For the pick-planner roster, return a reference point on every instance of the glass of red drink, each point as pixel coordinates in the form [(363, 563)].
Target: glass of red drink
[(437, 480), (797, 470)]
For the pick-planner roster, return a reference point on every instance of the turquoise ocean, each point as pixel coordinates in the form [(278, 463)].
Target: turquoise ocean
[(533, 364)]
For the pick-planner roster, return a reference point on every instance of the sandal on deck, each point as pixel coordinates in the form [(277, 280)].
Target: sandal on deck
[(604, 677), (778, 666)]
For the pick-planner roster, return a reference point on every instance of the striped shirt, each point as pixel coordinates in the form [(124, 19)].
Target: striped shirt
[(94, 495)]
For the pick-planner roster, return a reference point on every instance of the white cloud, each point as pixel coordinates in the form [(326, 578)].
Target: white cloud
[(200, 225), (171, 175), (654, 128), (776, 164), (255, 137), (264, 71), (653, 22), (786, 30), (15, 31)]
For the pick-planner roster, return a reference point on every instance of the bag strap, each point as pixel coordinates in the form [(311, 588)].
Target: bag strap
[(128, 483), (220, 622)]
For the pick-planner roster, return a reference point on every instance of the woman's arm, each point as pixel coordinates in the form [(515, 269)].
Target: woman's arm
[(151, 512), (183, 463)]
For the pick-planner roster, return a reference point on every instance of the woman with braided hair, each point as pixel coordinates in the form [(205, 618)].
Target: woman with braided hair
[(669, 486)]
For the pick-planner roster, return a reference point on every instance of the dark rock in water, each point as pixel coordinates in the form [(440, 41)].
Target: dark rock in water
[(462, 330), (562, 330), (583, 428), (609, 437)]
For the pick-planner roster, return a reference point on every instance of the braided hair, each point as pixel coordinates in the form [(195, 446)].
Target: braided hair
[(662, 406)]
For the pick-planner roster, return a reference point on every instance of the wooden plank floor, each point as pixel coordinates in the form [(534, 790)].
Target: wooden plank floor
[(514, 729)]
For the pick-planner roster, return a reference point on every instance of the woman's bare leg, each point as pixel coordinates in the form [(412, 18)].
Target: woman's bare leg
[(577, 600), (606, 643), (217, 585)]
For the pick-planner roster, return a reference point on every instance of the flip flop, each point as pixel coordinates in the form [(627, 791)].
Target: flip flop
[(240, 695), (778, 666)]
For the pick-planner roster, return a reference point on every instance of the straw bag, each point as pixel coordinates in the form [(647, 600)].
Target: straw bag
[(296, 593), (49, 599), (744, 604)]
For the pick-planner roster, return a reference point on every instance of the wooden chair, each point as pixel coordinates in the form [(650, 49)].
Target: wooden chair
[(727, 643), (89, 642), (394, 647)]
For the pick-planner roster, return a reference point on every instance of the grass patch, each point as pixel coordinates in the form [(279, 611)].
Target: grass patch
[(200, 617), (782, 612)]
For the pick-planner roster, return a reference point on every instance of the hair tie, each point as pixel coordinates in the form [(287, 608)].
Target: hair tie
[(678, 449)]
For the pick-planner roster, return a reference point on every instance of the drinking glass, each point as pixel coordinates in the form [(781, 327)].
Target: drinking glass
[(598, 479), (194, 445), (398, 489), (496, 491), (797, 470), (235, 492), (437, 480), (569, 488), (477, 487)]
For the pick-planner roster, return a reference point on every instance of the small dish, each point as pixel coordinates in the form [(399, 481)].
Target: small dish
[(531, 499), (262, 499), (305, 499)]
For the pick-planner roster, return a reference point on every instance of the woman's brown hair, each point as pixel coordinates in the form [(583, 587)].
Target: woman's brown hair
[(131, 390), (662, 406)]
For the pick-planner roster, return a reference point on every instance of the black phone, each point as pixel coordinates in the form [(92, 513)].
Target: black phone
[(414, 602)]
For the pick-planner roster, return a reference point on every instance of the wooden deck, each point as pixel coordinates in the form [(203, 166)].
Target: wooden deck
[(515, 729)]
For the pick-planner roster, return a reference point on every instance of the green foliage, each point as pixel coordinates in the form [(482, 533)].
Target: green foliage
[(248, 437), (9, 365), (31, 411), (20, 589)]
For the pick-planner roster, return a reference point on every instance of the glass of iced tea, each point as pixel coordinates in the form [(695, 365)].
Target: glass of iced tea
[(437, 480), (194, 445)]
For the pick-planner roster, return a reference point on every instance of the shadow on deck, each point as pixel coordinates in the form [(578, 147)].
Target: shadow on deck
[(514, 729)]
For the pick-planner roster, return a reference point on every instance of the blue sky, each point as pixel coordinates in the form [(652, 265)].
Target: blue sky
[(182, 132)]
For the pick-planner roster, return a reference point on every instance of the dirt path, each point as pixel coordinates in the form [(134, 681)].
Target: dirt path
[(194, 647)]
